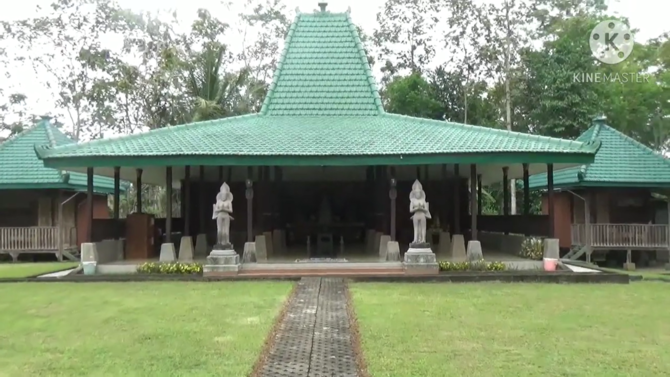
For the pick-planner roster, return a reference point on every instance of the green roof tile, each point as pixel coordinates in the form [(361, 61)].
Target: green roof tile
[(322, 106), (620, 161), (21, 169)]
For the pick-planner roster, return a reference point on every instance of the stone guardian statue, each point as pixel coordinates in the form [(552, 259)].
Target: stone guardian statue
[(419, 208), (223, 208)]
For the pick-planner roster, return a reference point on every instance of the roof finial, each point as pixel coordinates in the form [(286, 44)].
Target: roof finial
[(600, 119), (323, 6)]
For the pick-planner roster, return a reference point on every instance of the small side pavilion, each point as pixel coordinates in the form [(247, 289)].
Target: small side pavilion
[(612, 206), (42, 209), (322, 164)]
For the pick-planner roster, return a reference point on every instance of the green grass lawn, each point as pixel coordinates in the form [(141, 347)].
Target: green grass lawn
[(514, 330), (22, 270), (135, 329)]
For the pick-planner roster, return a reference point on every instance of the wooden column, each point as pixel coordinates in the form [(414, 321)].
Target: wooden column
[(250, 196), (506, 193), (457, 201), (202, 195), (550, 198), (117, 199), (220, 175), (587, 225), (479, 194), (168, 204), (526, 195), (187, 201), (444, 213), (393, 194), (89, 204), (138, 185), (473, 202)]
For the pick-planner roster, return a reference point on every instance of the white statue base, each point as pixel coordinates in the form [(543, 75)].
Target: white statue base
[(223, 260), (420, 261)]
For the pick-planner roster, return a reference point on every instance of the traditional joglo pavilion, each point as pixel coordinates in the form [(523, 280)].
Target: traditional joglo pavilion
[(322, 160)]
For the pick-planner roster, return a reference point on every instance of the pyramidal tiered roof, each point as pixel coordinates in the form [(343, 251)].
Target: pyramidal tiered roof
[(620, 162), (322, 108), (21, 169)]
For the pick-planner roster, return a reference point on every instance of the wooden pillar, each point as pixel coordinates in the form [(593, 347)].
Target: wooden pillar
[(117, 201), (168, 204), (506, 193), (187, 201), (526, 196), (393, 194), (220, 175), (457, 201), (587, 225), (138, 185), (202, 195), (89, 205), (473, 202), (550, 198), (250, 196), (418, 173), (479, 194)]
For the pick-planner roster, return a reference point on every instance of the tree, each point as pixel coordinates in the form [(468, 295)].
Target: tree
[(413, 96), (404, 37)]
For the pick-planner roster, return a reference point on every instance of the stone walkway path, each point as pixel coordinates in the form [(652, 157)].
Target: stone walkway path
[(314, 339)]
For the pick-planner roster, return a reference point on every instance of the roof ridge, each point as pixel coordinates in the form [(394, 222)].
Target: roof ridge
[(593, 145), (366, 65), (282, 58), (637, 144), (64, 177), (12, 139), (581, 174), (44, 150)]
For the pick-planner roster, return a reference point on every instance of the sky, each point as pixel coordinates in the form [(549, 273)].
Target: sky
[(649, 16)]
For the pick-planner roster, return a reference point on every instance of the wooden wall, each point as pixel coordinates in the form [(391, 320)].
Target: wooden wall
[(100, 211)]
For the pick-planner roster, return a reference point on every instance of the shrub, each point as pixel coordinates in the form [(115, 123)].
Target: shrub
[(172, 268), (532, 248), (480, 265)]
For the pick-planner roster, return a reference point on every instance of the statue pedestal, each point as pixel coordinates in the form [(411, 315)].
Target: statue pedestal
[(222, 261), (420, 261)]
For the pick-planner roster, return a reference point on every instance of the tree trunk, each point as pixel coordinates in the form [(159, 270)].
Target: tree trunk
[(508, 99)]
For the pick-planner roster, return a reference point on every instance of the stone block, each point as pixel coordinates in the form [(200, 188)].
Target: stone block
[(551, 249), (393, 251), (444, 246), (278, 241), (383, 246), (201, 246), (261, 249), (420, 262), (167, 253), (629, 266), (186, 249), (474, 252), (377, 239), (222, 262), (457, 253), (269, 244), (249, 254), (109, 251), (89, 252)]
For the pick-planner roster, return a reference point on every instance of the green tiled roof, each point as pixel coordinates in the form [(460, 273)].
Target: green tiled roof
[(620, 162), (21, 169), (322, 108)]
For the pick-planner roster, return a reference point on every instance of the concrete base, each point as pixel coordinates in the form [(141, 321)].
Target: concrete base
[(383, 246), (249, 255), (222, 262), (444, 247), (474, 253), (629, 266), (551, 249), (278, 241), (457, 253), (89, 252), (109, 251), (420, 262), (167, 253), (269, 249), (201, 247), (261, 249), (186, 249), (393, 251)]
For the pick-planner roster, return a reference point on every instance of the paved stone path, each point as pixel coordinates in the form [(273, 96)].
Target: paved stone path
[(314, 339)]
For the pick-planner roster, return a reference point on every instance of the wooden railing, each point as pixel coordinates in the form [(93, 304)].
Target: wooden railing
[(34, 238), (622, 236)]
